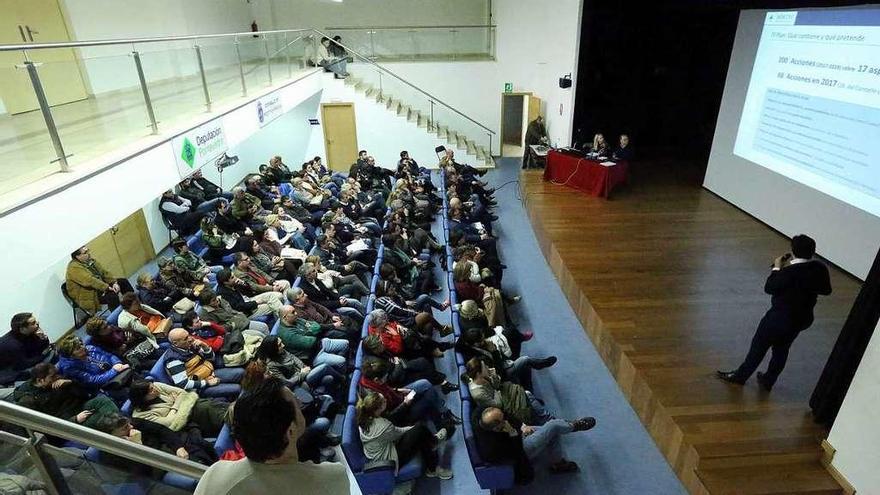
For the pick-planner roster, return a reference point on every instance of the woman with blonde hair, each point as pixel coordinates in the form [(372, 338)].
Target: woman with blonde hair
[(600, 147), (382, 441)]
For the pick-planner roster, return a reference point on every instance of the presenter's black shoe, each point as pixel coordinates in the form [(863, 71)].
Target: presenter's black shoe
[(583, 424), (729, 377), (764, 383)]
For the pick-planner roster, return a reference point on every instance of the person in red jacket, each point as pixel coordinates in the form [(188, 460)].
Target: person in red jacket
[(401, 341), (208, 332)]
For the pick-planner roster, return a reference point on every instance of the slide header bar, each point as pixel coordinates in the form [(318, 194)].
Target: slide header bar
[(824, 17)]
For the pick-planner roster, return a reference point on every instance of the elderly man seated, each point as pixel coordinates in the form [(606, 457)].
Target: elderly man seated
[(245, 206), (305, 340), (189, 364)]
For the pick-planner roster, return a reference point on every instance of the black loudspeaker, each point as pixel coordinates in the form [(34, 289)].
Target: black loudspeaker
[(565, 81)]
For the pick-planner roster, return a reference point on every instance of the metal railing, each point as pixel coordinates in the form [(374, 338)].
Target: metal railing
[(38, 425), (425, 43), (155, 63)]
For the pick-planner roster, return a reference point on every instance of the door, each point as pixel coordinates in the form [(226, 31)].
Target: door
[(124, 248), (512, 130), (534, 108), (340, 135), (36, 21)]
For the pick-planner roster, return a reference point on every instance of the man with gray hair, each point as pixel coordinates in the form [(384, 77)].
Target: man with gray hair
[(245, 206), (334, 325), (329, 298)]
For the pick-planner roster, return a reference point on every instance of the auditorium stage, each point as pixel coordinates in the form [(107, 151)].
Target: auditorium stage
[(667, 280)]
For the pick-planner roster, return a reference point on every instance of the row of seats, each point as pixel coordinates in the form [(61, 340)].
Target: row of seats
[(489, 476)]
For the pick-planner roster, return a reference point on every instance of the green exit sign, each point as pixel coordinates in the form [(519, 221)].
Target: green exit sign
[(508, 87)]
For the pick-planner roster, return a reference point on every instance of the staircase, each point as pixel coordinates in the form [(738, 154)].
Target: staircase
[(453, 138)]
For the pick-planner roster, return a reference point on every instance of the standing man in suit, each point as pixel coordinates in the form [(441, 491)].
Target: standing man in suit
[(536, 133), (794, 283)]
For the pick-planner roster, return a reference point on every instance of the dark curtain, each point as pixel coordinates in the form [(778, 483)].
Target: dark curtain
[(848, 350)]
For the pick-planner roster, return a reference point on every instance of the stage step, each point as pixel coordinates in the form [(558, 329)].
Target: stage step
[(807, 478)]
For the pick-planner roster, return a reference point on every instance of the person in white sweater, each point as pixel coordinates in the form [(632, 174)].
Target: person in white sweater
[(383, 441)]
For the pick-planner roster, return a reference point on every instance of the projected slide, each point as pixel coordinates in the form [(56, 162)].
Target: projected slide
[(812, 111)]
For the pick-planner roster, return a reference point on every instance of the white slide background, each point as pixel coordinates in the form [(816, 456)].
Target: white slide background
[(845, 235)]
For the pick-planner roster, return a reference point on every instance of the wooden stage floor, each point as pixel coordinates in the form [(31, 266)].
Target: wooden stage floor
[(667, 280)]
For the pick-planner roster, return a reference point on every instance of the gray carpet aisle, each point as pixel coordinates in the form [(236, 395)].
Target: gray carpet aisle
[(616, 457)]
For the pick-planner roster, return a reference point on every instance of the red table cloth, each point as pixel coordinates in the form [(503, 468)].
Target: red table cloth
[(586, 174)]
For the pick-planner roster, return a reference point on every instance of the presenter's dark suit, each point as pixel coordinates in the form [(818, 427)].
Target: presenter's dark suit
[(794, 290)]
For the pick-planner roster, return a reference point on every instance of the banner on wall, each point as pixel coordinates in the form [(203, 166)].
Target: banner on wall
[(199, 147), (269, 108)]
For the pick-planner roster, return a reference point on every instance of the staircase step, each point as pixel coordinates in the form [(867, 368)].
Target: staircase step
[(471, 147), (422, 121), (371, 92), (362, 86), (403, 110), (414, 116)]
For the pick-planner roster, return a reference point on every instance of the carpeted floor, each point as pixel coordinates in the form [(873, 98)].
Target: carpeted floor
[(616, 457)]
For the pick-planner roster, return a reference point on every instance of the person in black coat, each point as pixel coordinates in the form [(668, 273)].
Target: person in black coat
[(794, 284), (23, 347)]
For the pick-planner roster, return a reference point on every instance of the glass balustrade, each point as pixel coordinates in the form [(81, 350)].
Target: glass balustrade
[(68, 105), (420, 43)]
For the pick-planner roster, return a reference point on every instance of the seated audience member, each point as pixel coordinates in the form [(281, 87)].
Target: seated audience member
[(496, 352), (155, 294), (286, 366), (207, 190), (218, 310), (407, 165), (130, 345), (489, 390), (277, 171), (230, 289), (305, 340), (175, 408), (191, 264), (329, 298), (383, 441), (420, 320), (256, 281), (347, 285), (268, 196), (404, 371), (267, 423), (208, 332), (331, 63), (401, 341), (174, 279), (272, 264), (624, 151), (189, 364), (182, 214), (50, 393), (498, 440), (332, 324), (90, 285), (23, 347), (294, 235), (228, 223), (245, 206), (91, 366), (417, 401), (471, 316), (142, 319), (220, 243), (187, 444)]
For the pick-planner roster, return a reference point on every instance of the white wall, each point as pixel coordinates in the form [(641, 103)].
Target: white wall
[(111, 67), (856, 432), (531, 63), (40, 237), (320, 14), (844, 234), (379, 131)]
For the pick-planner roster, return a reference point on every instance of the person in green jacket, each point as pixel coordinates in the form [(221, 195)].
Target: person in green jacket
[(303, 338), (50, 393)]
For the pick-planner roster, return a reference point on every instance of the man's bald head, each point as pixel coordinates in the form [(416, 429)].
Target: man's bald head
[(492, 417), (177, 335)]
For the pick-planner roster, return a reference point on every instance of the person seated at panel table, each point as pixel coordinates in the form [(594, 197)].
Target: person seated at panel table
[(90, 285), (624, 151), (599, 146)]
